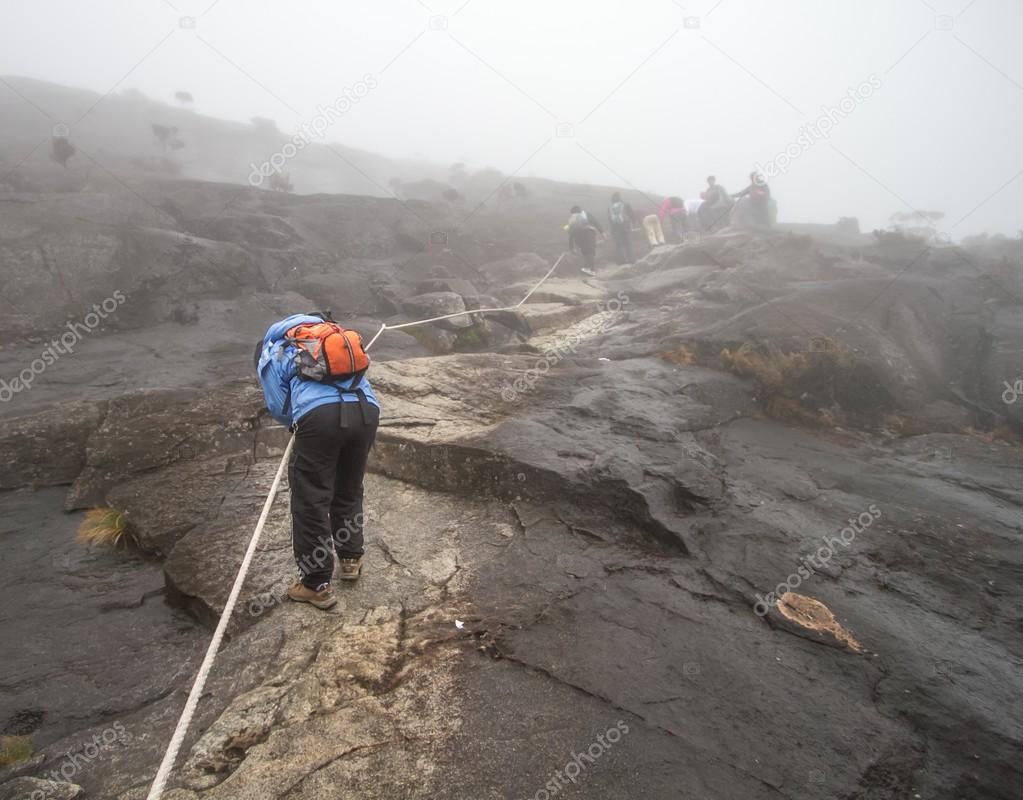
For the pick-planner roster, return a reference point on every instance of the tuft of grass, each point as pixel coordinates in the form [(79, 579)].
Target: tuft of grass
[(681, 355), (14, 750), (822, 388), (901, 425), (775, 370), (103, 526), (1002, 434)]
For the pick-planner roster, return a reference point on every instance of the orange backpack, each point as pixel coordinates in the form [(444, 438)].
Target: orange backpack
[(326, 352)]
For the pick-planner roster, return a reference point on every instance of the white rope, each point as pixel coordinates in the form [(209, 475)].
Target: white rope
[(162, 775), (386, 327), (211, 652)]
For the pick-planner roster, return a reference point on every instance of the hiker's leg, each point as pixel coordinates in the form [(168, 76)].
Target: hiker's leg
[(620, 245), (311, 476), (658, 230), (649, 228), (589, 250), (346, 513), (630, 253)]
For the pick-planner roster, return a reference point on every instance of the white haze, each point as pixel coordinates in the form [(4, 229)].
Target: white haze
[(654, 104)]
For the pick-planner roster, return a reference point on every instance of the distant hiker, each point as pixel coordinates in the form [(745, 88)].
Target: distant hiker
[(620, 220), (653, 230), (759, 199), (673, 210), (716, 203), (583, 230), (313, 374)]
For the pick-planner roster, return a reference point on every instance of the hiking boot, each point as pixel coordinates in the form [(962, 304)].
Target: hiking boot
[(322, 597), (349, 568)]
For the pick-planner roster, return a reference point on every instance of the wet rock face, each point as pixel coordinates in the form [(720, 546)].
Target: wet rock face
[(47, 449), (602, 534), (893, 329), (21, 788), (628, 428), (571, 604), (155, 428), (438, 304), (192, 242)]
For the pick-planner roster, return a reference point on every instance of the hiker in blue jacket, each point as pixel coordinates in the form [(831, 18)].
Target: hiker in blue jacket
[(335, 424)]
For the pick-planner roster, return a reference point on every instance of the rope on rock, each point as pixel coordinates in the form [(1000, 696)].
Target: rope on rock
[(170, 757), (211, 652), (385, 327)]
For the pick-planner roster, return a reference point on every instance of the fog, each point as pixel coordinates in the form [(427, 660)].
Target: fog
[(366, 348), (654, 95)]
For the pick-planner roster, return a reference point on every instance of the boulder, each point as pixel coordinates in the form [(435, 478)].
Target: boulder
[(516, 268), (437, 304), (152, 428), (540, 317), (162, 506), (458, 286), (31, 788), (474, 421), (556, 289), (48, 448)]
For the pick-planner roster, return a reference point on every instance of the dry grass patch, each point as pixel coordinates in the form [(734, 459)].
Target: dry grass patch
[(1002, 434), (106, 526), (825, 387), (14, 750), (681, 355)]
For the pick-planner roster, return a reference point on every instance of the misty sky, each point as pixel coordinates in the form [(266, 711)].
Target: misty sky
[(657, 94)]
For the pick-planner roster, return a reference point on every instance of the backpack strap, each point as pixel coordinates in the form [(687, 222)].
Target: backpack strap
[(286, 408), (363, 402)]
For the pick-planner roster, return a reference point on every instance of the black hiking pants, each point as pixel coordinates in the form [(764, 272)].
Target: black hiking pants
[(622, 235), (332, 445), (587, 241)]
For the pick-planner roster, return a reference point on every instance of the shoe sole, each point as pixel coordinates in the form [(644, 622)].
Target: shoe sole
[(315, 603), (354, 577)]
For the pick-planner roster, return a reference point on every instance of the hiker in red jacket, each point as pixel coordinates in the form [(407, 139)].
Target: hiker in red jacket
[(673, 209)]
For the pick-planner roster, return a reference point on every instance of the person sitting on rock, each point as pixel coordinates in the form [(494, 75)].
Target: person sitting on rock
[(759, 194), (652, 229), (335, 424), (716, 203), (673, 209), (583, 230), (620, 219)]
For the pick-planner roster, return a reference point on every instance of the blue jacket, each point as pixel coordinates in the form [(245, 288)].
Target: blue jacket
[(277, 374)]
